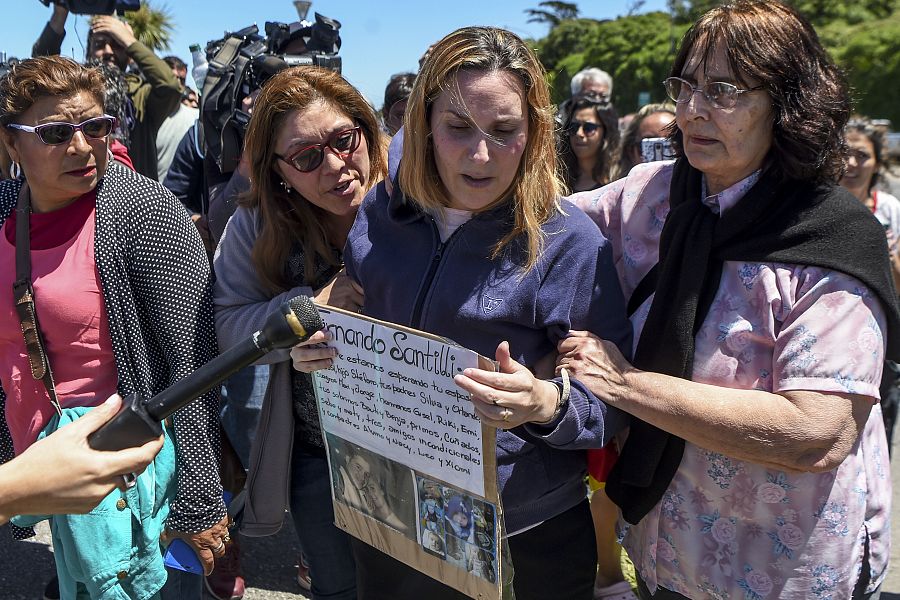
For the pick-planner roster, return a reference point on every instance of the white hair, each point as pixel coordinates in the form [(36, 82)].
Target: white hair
[(591, 74)]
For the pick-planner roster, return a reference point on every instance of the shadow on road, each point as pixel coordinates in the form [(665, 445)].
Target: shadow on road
[(27, 567)]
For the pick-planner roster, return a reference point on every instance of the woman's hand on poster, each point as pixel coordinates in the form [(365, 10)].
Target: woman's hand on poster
[(595, 362), (341, 292), (511, 396), (314, 353)]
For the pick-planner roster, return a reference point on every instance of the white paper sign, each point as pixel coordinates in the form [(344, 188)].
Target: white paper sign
[(392, 391)]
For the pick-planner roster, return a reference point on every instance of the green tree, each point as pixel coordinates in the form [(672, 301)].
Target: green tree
[(152, 26), (553, 12), (869, 53), (637, 51)]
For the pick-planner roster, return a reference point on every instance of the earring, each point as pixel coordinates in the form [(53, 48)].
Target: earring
[(285, 186), (15, 170)]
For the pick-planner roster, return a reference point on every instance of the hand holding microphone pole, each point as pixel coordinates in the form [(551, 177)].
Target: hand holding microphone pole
[(139, 419)]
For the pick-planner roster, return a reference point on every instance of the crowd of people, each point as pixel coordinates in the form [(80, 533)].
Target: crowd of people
[(692, 362)]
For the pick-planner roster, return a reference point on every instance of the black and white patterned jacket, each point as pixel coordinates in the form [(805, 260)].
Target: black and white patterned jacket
[(156, 284)]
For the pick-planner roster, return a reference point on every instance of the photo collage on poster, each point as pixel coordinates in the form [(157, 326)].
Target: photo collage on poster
[(448, 523), (458, 528)]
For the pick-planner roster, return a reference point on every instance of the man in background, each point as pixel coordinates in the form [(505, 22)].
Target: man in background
[(153, 88)]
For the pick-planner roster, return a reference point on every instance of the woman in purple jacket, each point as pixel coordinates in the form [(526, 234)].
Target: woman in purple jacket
[(494, 259)]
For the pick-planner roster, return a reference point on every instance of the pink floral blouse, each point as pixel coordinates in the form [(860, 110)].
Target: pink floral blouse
[(731, 529)]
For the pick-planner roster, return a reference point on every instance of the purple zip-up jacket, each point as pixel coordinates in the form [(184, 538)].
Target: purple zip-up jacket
[(457, 291)]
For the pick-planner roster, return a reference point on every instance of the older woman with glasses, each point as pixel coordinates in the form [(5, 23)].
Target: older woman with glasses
[(756, 463), (315, 148), (119, 285)]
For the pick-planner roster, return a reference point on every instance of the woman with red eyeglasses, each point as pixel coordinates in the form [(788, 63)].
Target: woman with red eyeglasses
[(113, 269), (589, 144), (315, 147)]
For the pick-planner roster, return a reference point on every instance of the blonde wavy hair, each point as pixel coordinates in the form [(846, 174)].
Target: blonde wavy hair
[(537, 186), (288, 219)]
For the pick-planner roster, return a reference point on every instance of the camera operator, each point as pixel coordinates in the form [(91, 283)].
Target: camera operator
[(154, 90)]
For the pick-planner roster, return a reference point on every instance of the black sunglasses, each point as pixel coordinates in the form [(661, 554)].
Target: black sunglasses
[(343, 143), (588, 127), (54, 134)]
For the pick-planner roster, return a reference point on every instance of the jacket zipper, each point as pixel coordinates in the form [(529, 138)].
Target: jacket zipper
[(432, 271)]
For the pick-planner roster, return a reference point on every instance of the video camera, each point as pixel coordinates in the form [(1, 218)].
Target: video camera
[(241, 62), (96, 7)]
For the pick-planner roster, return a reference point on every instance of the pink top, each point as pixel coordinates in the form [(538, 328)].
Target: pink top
[(73, 320), (727, 528)]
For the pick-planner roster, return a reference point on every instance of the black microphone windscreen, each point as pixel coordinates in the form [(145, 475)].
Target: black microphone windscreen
[(306, 312)]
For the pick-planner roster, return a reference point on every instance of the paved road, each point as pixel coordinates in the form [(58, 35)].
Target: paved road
[(270, 563)]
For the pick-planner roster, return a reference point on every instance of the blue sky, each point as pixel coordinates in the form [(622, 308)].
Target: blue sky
[(380, 37)]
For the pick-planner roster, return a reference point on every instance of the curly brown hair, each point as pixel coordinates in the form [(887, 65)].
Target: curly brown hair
[(45, 76), (770, 42)]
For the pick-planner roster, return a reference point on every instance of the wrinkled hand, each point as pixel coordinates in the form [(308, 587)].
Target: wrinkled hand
[(115, 28), (313, 354), (341, 292), (510, 397), (208, 545), (595, 362)]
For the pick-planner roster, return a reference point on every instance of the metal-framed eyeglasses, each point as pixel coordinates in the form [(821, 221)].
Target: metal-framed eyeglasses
[(343, 143), (54, 134), (719, 94)]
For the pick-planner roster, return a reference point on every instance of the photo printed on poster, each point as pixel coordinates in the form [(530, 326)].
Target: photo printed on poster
[(372, 484)]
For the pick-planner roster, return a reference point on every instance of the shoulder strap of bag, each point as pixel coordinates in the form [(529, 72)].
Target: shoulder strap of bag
[(23, 293)]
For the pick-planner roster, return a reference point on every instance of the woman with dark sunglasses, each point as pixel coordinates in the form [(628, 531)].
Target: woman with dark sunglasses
[(315, 147), (589, 143), (122, 290)]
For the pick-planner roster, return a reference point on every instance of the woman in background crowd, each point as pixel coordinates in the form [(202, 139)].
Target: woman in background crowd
[(755, 465), (862, 171), (314, 148), (589, 143), (396, 95), (651, 121)]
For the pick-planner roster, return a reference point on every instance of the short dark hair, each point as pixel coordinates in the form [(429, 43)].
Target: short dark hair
[(398, 88), (175, 63), (772, 43)]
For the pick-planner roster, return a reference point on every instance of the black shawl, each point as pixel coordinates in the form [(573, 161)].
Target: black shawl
[(791, 222)]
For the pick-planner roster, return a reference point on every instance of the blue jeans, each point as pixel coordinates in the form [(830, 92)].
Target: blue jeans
[(242, 399), (326, 548), (181, 585)]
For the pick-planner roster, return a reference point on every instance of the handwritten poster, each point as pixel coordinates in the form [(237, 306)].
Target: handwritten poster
[(413, 470), (392, 390)]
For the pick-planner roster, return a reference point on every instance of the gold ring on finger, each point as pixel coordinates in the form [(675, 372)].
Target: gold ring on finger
[(505, 414)]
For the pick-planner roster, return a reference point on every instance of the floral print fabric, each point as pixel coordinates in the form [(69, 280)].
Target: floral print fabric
[(731, 529)]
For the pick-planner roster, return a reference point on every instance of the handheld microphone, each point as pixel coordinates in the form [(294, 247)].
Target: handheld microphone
[(138, 421)]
